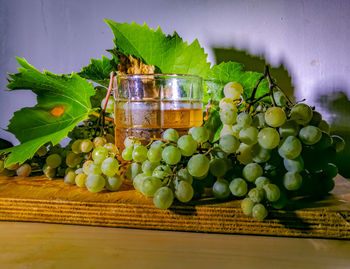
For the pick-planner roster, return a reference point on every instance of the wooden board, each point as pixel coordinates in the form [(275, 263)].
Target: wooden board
[(38, 199)]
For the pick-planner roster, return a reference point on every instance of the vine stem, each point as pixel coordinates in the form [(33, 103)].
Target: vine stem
[(106, 118)]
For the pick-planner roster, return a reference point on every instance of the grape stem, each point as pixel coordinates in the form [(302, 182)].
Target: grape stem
[(272, 85)]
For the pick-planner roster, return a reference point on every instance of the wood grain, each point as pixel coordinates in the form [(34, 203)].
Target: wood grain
[(41, 200), (39, 245)]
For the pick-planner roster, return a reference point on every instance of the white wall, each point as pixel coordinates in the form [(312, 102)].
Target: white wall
[(311, 38)]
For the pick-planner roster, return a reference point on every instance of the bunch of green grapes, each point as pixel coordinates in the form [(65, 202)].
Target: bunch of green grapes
[(169, 168), (85, 162), (281, 151)]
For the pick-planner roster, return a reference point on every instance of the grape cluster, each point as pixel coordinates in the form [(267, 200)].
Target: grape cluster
[(170, 167), (281, 151)]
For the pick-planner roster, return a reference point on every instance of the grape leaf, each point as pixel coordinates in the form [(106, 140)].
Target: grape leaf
[(63, 102), (99, 70), (168, 53), (226, 72)]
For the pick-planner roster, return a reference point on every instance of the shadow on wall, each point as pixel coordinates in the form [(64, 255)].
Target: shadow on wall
[(336, 104), (257, 64)]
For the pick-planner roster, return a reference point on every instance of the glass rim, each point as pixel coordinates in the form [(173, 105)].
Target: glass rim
[(159, 75)]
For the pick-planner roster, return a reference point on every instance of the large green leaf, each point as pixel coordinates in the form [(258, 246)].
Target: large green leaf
[(63, 102), (168, 53)]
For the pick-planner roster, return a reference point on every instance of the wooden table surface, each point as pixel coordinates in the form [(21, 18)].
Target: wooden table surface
[(38, 245)]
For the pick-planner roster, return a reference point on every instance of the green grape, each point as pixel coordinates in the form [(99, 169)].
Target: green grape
[(127, 153), (154, 154), (324, 126), (244, 154), (133, 170), (114, 183), (280, 99), (260, 154), (221, 189), (218, 167), (110, 167), (226, 130), (227, 103), (99, 141), (200, 134), (301, 113), (252, 171), (171, 135), (249, 135), (157, 143), (233, 90), (72, 159), (148, 166), (259, 212), (150, 185), (338, 143), (110, 104), (330, 170), (292, 181), (244, 120), (171, 155), (139, 154), (238, 187), (163, 198), (187, 145), (80, 180), (162, 171), (198, 165), (235, 130), (310, 135), (228, 116), (256, 194), (85, 146), (53, 161), (87, 165), (184, 191), (316, 118), (111, 148), (268, 138), (95, 183), (281, 202), (260, 182), (275, 116), (42, 151), (294, 165), (23, 171), (259, 120), (78, 171), (328, 185), (229, 143), (290, 147), (76, 146), (325, 142), (247, 205), (99, 154), (69, 178), (289, 128), (183, 175), (94, 169), (272, 192), (138, 181)]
